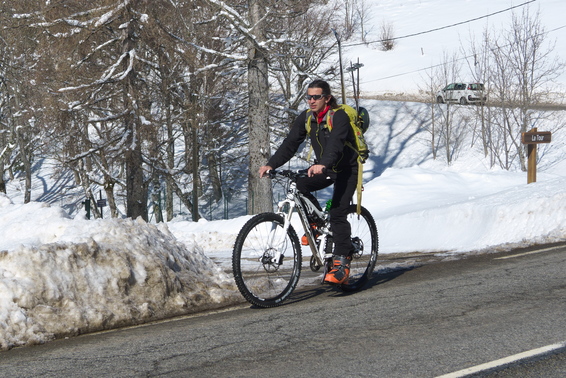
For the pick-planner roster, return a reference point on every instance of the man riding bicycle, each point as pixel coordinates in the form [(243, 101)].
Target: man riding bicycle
[(335, 164)]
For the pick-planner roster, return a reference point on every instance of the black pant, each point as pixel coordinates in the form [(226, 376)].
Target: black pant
[(344, 188)]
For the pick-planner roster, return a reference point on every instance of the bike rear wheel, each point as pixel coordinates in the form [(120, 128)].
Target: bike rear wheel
[(365, 240), (262, 278)]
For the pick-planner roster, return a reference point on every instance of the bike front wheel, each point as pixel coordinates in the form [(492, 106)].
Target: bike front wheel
[(366, 244), (266, 260)]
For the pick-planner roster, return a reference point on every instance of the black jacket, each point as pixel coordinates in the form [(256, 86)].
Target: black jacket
[(329, 147)]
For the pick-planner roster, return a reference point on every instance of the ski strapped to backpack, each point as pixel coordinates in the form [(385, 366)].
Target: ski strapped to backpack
[(359, 121)]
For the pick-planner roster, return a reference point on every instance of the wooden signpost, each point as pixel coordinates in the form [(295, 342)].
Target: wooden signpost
[(531, 139)]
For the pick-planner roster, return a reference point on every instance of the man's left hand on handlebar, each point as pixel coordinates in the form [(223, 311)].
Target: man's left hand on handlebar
[(316, 169)]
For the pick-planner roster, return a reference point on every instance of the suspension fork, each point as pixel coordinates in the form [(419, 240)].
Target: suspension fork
[(276, 237)]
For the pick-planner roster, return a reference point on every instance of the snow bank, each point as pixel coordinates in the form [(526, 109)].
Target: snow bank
[(95, 275), (466, 213)]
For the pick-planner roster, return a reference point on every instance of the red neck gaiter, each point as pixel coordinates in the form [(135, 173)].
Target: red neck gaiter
[(320, 116)]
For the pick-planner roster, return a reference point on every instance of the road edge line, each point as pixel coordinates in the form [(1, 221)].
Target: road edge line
[(528, 253), (505, 361)]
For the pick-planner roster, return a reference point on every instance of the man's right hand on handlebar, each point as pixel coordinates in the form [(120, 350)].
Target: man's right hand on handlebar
[(263, 171)]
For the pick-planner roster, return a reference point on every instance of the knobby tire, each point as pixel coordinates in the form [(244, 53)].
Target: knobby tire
[(364, 231)]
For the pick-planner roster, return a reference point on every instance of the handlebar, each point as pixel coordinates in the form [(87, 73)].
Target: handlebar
[(293, 175)]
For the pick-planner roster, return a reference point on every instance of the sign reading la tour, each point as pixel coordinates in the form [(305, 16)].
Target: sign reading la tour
[(531, 139), (535, 137)]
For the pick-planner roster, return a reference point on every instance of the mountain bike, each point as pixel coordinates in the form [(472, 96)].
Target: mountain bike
[(267, 255)]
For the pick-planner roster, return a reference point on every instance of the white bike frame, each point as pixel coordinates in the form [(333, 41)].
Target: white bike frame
[(285, 208)]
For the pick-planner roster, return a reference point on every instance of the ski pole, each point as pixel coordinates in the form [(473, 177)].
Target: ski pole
[(341, 68)]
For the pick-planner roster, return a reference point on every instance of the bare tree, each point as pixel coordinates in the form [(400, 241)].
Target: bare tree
[(135, 78), (430, 86), (5, 145), (302, 56), (21, 116), (479, 66), (350, 18), (98, 71), (522, 70), (387, 34), (145, 96), (444, 131), (365, 16)]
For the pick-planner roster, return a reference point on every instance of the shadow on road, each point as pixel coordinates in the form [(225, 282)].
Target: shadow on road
[(377, 278)]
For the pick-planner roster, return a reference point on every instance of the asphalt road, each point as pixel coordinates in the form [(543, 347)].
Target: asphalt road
[(433, 317)]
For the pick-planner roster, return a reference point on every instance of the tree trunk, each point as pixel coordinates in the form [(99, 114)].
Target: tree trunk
[(156, 200), (95, 210), (195, 167), (432, 120), (447, 133), (136, 196), (109, 190), (260, 192), (2, 182), (25, 158), (2, 164), (215, 179), (170, 165)]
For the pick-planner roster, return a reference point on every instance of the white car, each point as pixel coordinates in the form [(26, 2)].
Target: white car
[(463, 93)]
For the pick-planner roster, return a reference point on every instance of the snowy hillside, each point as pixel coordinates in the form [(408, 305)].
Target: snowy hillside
[(435, 28)]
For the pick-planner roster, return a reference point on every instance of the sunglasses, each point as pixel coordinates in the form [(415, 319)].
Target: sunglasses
[(314, 97)]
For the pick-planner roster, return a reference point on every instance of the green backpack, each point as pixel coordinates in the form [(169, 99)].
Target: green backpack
[(359, 120)]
